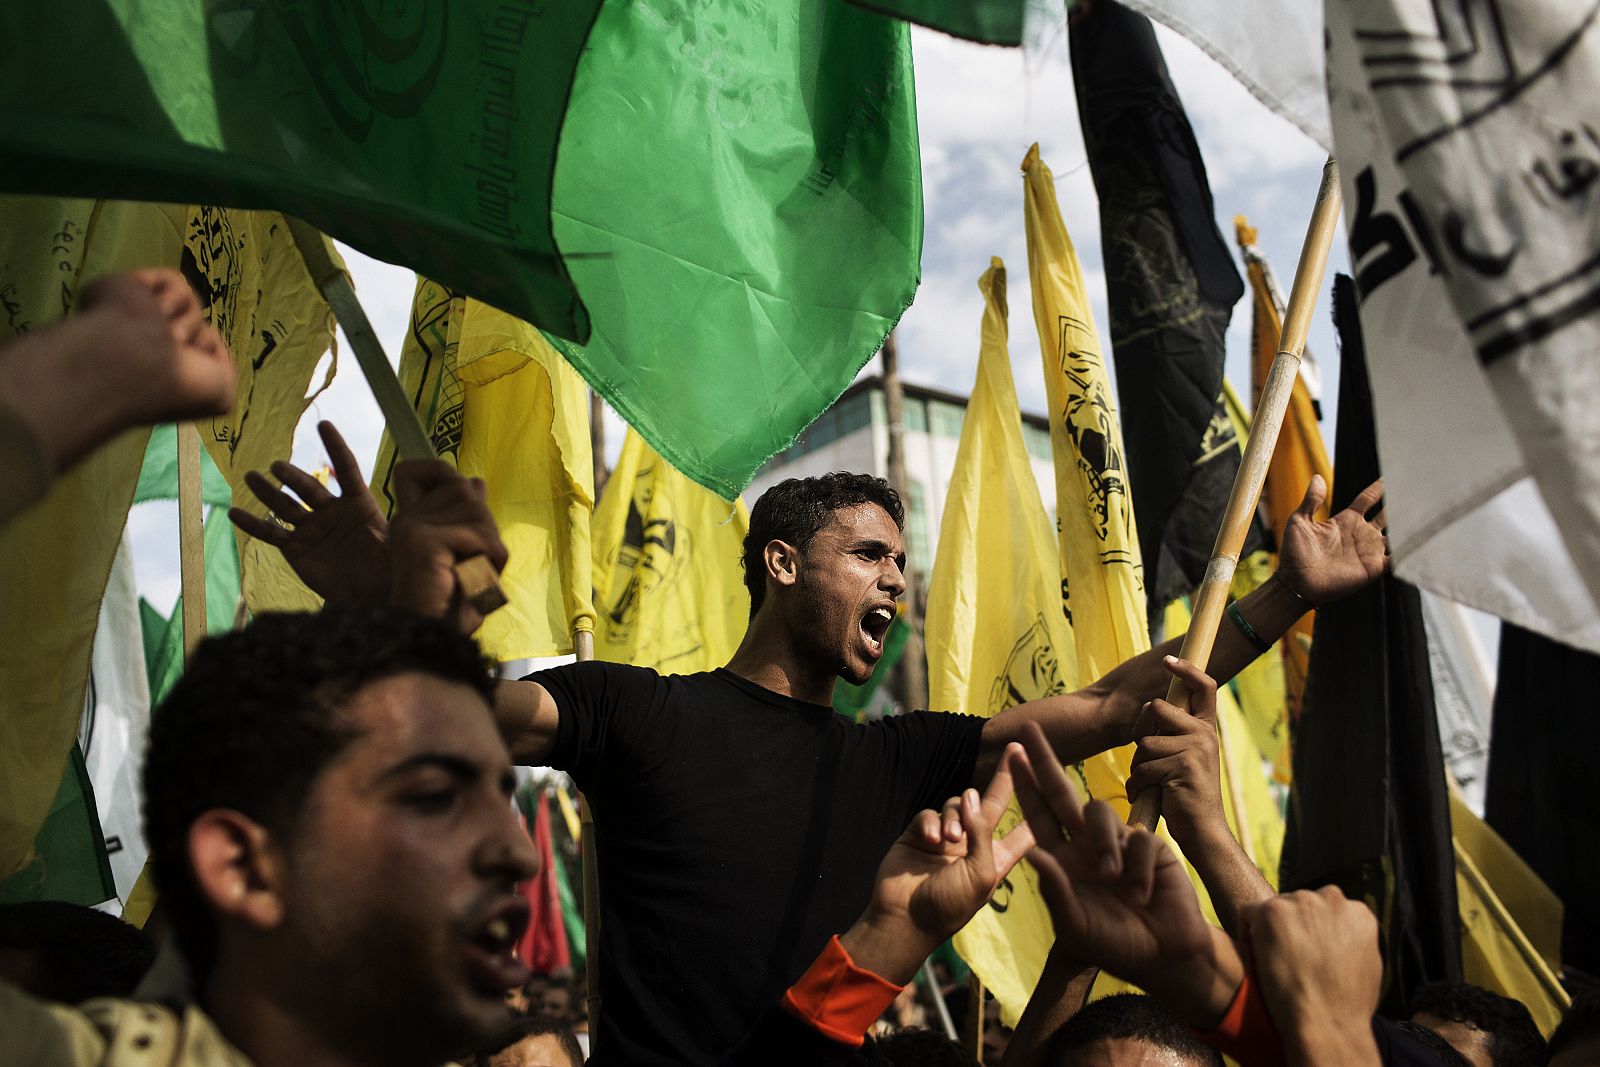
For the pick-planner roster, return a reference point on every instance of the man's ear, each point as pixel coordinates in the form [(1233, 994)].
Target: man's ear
[(782, 561), (237, 867)]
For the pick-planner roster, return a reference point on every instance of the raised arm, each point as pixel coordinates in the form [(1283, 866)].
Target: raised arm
[(1319, 562), (1178, 752)]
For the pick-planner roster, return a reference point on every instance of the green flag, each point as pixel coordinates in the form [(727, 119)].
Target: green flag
[(158, 477), (70, 851), (740, 194), (425, 135), (163, 636), (986, 21)]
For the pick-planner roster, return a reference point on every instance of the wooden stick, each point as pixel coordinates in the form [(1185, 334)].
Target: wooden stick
[(583, 651), (1268, 420), (479, 582), (975, 1015), (939, 1006), (191, 538)]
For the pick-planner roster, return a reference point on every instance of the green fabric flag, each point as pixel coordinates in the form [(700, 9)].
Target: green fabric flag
[(740, 199), (158, 477), (851, 700), (70, 851), (163, 636), (571, 906), (425, 134), (986, 21)]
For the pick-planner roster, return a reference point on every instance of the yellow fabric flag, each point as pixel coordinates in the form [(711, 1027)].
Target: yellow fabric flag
[(1510, 920), (498, 402), (55, 558), (1300, 452), (260, 297), (995, 632), (1104, 579), (668, 587)]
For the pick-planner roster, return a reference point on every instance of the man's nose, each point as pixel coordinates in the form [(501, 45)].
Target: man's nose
[(509, 852)]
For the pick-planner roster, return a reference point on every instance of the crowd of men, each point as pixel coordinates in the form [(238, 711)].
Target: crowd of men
[(328, 803)]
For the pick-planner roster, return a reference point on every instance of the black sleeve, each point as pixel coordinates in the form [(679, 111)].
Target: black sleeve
[(601, 708), (778, 1039), (939, 751)]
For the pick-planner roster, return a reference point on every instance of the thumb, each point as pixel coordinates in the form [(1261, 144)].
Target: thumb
[(1315, 492)]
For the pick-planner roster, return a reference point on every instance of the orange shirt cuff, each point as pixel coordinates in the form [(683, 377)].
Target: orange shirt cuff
[(839, 999), (1246, 1033)]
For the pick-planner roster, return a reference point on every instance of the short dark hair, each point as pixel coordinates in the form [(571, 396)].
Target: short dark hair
[(256, 717), (796, 508), (1132, 1016), (1514, 1038), (1579, 1021), (917, 1046), (81, 953), (526, 1026), (1420, 1037)]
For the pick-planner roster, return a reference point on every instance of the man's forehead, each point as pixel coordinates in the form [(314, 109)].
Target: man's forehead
[(402, 714), (861, 522)]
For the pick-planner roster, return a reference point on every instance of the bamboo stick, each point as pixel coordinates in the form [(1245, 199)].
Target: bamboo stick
[(1268, 420), (583, 651), (191, 538), (479, 582)]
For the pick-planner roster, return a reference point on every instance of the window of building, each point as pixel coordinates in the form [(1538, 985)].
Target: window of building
[(1036, 439), (917, 526), (945, 419)]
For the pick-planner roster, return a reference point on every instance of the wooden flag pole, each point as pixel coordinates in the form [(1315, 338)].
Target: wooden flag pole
[(479, 583), (583, 651), (1213, 598), (191, 538)]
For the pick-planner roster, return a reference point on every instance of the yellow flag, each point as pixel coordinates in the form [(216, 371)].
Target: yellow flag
[(55, 557), (668, 587), (1300, 452), (1510, 920), (498, 402), (1104, 580), (259, 296), (995, 632)]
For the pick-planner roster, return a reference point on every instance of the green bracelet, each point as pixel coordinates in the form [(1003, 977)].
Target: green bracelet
[(1245, 628)]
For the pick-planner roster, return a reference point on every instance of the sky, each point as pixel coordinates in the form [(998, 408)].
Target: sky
[(979, 109)]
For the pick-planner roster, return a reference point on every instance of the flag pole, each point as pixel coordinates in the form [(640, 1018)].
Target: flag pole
[(479, 583), (191, 538), (583, 652), (1268, 420)]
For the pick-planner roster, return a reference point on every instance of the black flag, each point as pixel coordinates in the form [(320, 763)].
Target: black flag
[(1171, 285), (1368, 811), (1541, 777)]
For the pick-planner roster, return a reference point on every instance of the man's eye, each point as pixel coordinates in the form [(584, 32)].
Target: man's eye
[(433, 803)]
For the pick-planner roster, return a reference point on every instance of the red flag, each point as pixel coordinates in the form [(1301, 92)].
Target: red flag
[(544, 945)]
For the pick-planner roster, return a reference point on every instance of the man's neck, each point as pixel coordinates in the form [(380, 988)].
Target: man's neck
[(767, 656), (266, 1029)]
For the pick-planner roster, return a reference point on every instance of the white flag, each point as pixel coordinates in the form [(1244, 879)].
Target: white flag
[(1465, 447), (1274, 48)]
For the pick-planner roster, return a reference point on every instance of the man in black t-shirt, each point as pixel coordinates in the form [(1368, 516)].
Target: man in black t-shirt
[(738, 820)]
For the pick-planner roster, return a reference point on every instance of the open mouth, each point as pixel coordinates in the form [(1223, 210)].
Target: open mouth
[(491, 952), (874, 625)]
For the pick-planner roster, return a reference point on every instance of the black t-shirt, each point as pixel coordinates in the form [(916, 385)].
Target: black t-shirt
[(737, 830)]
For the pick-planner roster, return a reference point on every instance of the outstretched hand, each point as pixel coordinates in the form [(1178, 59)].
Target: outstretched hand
[(1118, 896), (337, 544), (936, 877), (441, 518), (1329, 560)]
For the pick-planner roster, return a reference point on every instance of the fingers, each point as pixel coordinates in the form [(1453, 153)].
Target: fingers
[(343, 461), (1059, 896), (1104, 832), (1202, 687), (924, 829), (305, 485), (1315, 492), (1154, 770), (259, 528), (1051, 781), (950, 817), (1001, 788), (1159, 718), (1139, 854), (276, 500), (1367, 498), (1017, 843), (980, 838)]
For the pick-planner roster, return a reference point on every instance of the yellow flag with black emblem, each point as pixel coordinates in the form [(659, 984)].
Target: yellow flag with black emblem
[(995, 632), (669, 591), (498, 402)]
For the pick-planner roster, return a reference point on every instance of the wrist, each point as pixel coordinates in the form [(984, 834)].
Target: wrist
[(1200, 986), (1329, 1043), (889, 944)]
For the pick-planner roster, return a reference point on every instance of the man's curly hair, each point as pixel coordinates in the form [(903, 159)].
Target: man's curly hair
[(796, 508)]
